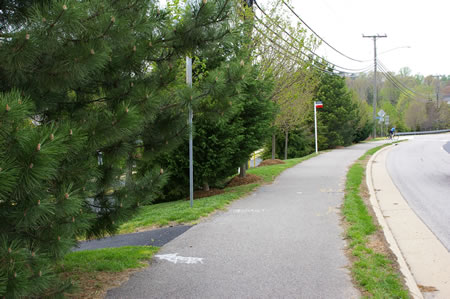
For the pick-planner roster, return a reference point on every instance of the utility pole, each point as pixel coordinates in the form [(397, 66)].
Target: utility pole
[(374, 37), (438, 86)]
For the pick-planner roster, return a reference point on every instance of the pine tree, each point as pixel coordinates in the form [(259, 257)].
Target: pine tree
[(338, 120), (224, 140), (84, 85)]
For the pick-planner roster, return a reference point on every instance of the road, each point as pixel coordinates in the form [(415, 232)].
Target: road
[(420, 168), (283, 241)]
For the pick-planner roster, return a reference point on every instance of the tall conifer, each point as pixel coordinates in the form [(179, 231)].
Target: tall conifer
[(90, 91)]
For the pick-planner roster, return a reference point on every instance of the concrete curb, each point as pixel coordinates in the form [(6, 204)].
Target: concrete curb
[(409, 279)]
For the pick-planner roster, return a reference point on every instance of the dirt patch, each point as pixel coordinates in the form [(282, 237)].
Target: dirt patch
[(156, 226), (378, 244), (94, 285), (248, 179), (202, 193), (427, 289), (271, 162)]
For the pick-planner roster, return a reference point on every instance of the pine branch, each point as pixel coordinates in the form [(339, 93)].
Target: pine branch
[(215, 20), (57, 19), (200, 9), (131, 6), (106, 30), (163, 108), (98, 12), (176, 135)]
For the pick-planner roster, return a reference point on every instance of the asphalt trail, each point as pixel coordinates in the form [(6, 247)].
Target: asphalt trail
[(157, 237), (283, 241)]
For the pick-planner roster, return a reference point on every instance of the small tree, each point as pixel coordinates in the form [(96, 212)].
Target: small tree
[(294, 102), (287, 64), (416, 115)]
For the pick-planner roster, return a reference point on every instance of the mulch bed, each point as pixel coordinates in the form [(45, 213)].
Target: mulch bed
[(236, 181), (248, 179), (271, 162), (211, 192)]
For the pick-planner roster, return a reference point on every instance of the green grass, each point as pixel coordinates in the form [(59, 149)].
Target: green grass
[(94, 271), (108, 259), (180, 212), (373, 271), (269, 173), (375, 149)]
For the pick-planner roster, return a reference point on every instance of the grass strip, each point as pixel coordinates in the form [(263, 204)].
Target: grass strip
[(95, 271), (373, 271), (108, 259), (375, 149), (180, 212), (269, 173)]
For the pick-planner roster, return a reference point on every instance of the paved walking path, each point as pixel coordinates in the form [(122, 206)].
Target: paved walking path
[(283, 241)]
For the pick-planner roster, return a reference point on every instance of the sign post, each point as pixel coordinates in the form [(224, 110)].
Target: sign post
[(381, 115), (317, 104)]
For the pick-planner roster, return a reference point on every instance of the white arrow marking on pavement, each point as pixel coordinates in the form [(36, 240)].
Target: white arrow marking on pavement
[(174, 258), (247, 210)]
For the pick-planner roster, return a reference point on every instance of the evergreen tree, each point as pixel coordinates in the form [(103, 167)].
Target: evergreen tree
[(339, 118), (85, 86), (223, 141)]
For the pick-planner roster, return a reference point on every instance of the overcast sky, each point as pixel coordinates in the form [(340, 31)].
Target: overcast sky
[(422, 25)]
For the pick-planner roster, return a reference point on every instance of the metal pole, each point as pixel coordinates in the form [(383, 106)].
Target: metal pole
[(374, 85), (374, 37), (315, 125), (191, 151)]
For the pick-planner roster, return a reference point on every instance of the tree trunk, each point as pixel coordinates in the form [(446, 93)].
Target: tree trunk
[(205, 186), (286, 136), (273, 146), (243, 170), (129, 172)]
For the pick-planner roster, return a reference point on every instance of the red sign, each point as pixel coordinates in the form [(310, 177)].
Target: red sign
[(318, 104)]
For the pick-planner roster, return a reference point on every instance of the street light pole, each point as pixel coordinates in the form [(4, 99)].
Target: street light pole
[(191, 156), (374, 37)]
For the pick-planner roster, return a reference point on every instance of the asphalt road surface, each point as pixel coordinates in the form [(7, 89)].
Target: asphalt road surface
[(420, 168), (156, 237), (283, 241)]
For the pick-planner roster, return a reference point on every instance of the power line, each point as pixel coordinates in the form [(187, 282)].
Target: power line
[(286, 52), (281, 37), (395, 84), (325, 42), (388, 73), (295, 39)]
